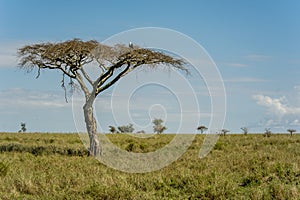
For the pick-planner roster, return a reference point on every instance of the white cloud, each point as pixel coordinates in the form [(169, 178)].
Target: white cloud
[(281, 114), (276, 106)]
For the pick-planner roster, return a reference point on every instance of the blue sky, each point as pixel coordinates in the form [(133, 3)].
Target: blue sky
[(255, 45)]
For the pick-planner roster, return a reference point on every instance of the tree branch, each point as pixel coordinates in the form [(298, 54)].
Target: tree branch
[(86, 76), (47, 66), (65, 72), (105, 76), (83, 86), (102, 67), (125, 71)]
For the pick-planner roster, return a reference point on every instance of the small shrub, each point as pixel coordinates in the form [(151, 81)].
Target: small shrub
[(219, 146), (130, 147), (143, 146), (4, 168), (42, 150), (25, 187), (250, 181)]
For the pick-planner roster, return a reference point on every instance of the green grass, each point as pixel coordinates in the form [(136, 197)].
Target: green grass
[(56, 166)]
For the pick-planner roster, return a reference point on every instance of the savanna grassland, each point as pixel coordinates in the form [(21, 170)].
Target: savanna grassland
[(57, 166)]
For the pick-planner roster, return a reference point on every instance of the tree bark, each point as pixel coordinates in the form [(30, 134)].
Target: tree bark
[(91, 125)]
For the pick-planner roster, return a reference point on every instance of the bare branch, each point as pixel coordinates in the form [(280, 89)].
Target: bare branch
[(102, 67), (134, 59), (86, 76), (109, 73), (39, 73), (64, 87), (82, 86), (100, 89), (66, 73)]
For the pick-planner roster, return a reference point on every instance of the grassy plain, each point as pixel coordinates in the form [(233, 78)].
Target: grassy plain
[(56, 166)]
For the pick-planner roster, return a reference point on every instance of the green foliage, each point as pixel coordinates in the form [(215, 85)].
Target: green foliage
[(112, 129), (238, 167), (23, 128), (202, 128), (126, 128), (219, 146), (45, 144), (158, 127), (130, 147)]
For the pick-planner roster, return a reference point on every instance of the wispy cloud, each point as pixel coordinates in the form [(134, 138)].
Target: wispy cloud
[(257, 57), (245, 80), (238, 65), (296, 122), (294, 61), (20, 98)]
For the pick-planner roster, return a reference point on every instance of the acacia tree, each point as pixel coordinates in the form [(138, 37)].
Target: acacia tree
[(158, 127), (225, 131), (245, 130), (291, 131), (23, 128), (202, 128), (71, 57), (268, 132)]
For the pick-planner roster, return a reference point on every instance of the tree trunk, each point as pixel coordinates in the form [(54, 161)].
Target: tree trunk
[(91, 125)]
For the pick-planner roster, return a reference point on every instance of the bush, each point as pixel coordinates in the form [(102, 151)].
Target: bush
[(4, 168), (42, 150), (130, 147), (126, 128)]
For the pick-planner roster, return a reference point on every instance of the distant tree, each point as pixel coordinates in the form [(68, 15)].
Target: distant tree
[(112, 129), (126, 128), (202, 128), (268, 132), (224, 131), (291, 131), (23, 128), (141, 132), (245, 130), (158, 127), (72, 57)]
